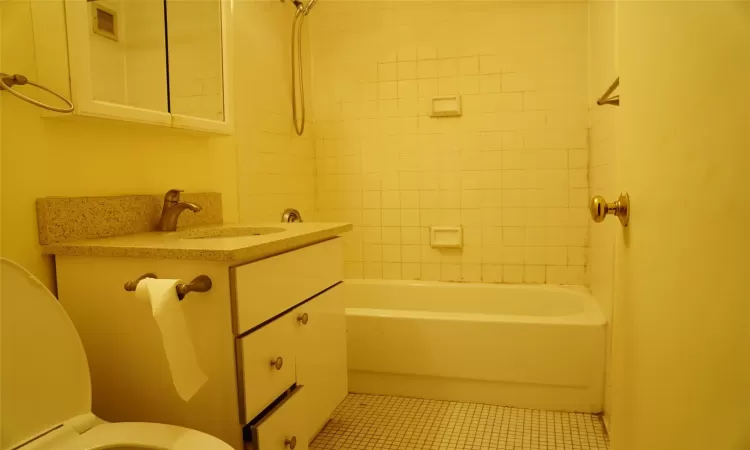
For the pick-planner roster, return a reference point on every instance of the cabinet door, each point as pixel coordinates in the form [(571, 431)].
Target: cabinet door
[(321, 357), (200, 82), (118, 59)]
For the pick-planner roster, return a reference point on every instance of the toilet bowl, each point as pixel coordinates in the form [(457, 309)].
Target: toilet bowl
[(45, 382)]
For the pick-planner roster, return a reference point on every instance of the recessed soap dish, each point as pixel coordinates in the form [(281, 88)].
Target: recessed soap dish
[(446, 237), (446, 106)]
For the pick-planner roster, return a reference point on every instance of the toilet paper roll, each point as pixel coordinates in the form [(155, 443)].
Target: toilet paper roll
[(187, 375)]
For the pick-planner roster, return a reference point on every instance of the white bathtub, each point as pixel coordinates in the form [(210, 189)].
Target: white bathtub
[(514, 345)]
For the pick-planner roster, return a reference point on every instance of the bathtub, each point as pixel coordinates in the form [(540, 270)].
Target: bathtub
[(528, 346)]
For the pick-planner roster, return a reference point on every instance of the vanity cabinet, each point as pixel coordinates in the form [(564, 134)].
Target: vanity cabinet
[(161, 62), (270, 335)]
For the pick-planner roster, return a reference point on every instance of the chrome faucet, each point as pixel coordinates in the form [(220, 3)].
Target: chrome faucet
[(172, 209)]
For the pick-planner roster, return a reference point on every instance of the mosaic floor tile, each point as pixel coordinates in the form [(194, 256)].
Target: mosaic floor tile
[(375, 422)]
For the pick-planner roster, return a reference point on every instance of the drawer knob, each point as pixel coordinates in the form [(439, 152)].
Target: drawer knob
[(277, 363), (303, 319), (291, 443)]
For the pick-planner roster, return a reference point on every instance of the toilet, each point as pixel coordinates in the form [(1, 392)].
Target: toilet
[(46, 387)]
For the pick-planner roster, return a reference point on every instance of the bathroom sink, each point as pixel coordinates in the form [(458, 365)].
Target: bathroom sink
[(226, 232)]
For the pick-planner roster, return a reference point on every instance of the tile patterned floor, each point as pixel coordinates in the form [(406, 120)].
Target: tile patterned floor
[(375, 422)]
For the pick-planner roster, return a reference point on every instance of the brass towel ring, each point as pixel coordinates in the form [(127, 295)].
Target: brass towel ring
[(8, 81)]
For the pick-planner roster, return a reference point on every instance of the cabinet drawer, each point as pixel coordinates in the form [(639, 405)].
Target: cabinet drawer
[(266, 363), (283, 427), (266, 288)]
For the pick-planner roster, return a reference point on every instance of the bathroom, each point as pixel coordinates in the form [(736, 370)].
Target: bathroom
[(445, 176)]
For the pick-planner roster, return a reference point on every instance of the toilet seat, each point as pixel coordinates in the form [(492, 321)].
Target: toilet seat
[(46, 384), (133, 435)]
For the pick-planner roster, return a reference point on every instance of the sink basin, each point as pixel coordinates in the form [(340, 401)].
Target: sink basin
[(226, 232)]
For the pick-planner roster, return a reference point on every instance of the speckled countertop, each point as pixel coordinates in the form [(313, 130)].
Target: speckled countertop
[(182, 244)]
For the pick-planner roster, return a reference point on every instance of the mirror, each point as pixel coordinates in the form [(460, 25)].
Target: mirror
[(161, 62), (194, 37), (128, 53)]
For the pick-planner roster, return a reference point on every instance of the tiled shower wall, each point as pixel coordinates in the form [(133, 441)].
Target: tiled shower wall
[(275, 168), (512, 170)]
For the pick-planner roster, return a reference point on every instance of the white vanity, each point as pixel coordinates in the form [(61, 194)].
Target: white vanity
[(270, 333)]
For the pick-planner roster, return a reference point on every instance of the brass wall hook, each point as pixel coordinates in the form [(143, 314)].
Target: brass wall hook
[(599, 208)]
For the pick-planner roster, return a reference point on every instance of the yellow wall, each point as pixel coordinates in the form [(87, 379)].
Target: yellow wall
[(602, 175), (81, 156)]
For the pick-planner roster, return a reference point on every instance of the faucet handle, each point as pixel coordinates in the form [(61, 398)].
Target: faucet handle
[(172, 196)]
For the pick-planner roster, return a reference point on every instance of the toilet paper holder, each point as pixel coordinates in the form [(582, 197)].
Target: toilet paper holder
[(201, 283)]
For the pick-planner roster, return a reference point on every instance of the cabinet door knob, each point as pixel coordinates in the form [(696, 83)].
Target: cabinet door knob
[(291, 443), (303, 318), (277, 363)]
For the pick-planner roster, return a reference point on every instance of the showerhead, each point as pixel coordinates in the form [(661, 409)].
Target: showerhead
[(301, 7)]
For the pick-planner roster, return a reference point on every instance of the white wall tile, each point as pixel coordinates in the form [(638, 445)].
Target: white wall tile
[(392, 271), (471, 273), (512, 170), (513, 274), (373, 270), (492, 273), (430, 272), (468, 66), (387, 71), (450, 272), (534, 274), (391, 235), (427, 69)]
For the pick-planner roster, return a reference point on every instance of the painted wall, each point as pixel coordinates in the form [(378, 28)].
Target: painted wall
[(275, 167), (81, 156), (603, 69), (511, 170)]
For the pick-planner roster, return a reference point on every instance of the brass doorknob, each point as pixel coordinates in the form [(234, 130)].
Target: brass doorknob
[(291, 443), (599, 208), (303, 318), (277, 363)]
